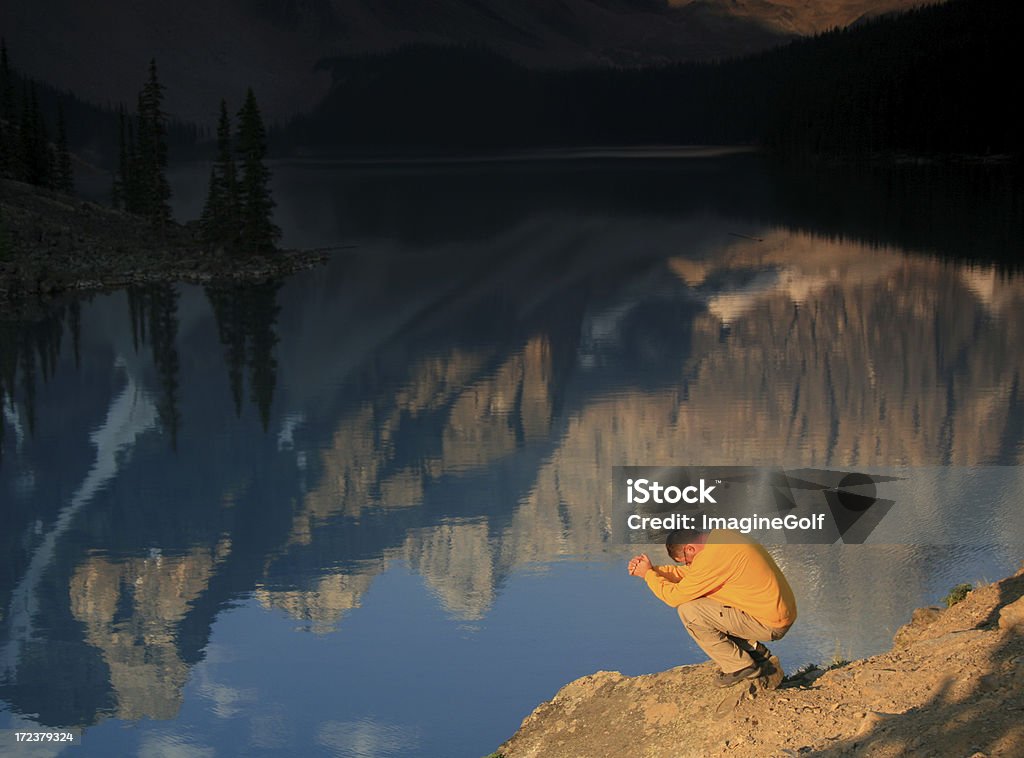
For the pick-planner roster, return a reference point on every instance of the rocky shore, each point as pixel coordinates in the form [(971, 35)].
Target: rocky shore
[(56, 244), (952, 685)]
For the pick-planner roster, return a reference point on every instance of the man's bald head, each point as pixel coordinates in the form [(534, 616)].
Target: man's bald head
[(678, 540)]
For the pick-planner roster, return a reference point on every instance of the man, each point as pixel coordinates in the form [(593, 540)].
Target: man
[(730, 594)]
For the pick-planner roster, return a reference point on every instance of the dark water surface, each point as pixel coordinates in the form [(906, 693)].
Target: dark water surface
[(365, 511)]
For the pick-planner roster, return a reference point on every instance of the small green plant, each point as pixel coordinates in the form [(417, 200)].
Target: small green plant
[(495, 755), (801, 673), (957, 594), (809, 668)]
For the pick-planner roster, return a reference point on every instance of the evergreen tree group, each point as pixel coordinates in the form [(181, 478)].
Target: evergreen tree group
[(30, 351), (238, 210), (153, 311), (140, 183), (26, 152), (219, 221), (246, 318)]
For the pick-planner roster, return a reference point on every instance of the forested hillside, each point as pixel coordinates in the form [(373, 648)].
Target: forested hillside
[(933, 80)]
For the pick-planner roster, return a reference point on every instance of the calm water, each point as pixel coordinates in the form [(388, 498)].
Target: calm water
[(364, 512)]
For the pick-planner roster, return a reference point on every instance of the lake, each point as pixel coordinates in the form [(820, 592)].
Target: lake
[(366, 511)]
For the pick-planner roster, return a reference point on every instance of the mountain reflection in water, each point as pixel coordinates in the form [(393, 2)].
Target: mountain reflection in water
[(448, 399)]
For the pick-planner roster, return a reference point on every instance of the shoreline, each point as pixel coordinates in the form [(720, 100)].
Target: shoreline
[(512, 157), (59, 245), (951, 684)]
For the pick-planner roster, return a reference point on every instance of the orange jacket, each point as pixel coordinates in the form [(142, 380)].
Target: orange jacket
[(734, 571)]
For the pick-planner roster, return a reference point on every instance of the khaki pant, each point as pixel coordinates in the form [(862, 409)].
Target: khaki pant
[(725, 633)]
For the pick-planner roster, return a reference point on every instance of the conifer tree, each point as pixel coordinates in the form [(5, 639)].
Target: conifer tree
[(34, 158), (220, 219), (28, 377), (75, 326), (153, 311), (23, 150), (132, 192), (263, 310), (152, 188), (8, 113), (246, 318), (64, 179), (140, 194), (258, 234), (5, 244), (229, 310), (43, 155), (208, 218), (229, 179), (6, 84), (118, 193), (163, 329)]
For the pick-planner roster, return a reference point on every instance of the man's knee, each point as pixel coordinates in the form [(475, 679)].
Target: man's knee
[(779, 633), (690, 613)]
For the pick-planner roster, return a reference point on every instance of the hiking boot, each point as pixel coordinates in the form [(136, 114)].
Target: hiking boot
[(728, 680), (760, 654)]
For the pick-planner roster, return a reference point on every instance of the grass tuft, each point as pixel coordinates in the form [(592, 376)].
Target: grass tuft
[(957, 594)]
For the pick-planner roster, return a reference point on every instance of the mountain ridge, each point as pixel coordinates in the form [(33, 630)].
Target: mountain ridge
[(274, 44)]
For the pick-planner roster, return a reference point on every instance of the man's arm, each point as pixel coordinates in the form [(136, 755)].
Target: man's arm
[(694, 583), (639, 565), (671, 573)]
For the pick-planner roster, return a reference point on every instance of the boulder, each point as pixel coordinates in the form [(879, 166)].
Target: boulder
[(1011, 616), (921, 619)]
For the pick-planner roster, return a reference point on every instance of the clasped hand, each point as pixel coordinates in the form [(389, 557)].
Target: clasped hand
[(639, 565)]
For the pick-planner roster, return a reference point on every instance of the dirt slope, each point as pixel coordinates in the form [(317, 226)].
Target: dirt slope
[(952, 685)]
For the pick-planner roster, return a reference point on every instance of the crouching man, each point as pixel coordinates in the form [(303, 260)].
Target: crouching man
[(730, 595)]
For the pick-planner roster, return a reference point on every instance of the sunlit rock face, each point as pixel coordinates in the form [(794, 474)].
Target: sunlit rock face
[(804, 351), (806, 16), (859, 356), (850, 355), (483, 415), (457, 562), (485, 407), (494, 416), (131, 610), (327, 601), (836, 353)]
